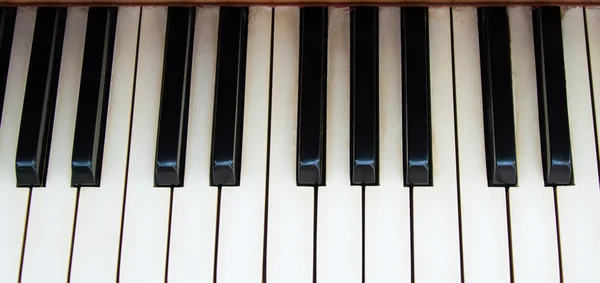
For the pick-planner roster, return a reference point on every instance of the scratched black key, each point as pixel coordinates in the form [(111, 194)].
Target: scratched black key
[(497, 96), (7, 26), (364, 95), (312, 88), (552, 96), (416, 97), (40, 97), (174, 104), (229, 97), (94, 89)]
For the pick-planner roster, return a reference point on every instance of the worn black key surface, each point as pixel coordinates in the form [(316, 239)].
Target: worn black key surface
[(364, 95), (312, 89), (552, 96), (94, 89), (40, 97), (7, 28), (497, 96), (416, 97), (229, 97), (174, 104)]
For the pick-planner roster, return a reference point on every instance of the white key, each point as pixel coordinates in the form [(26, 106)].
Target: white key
[(241, 227), (146, 220), (52, 209), (194, 215), (339, 213), (99, 213), (532, 215), (579, 206), (387, 211), (435, 208), (14, 201), (290, 227), (483, 208)]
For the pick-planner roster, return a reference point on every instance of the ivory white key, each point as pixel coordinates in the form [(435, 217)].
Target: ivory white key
[(435, 209), (579, 205), (146, 218), (532, 214), (14, 201), (387, 214), (483, 208), (290, 226), (339, 213), (52, 208), (194, 215), (241, 227), (99, 211)]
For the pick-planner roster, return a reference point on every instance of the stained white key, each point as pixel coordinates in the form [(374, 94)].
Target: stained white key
[(387, 214), (532, 214), (241, 227), (483, 208), (435, 209), (146, 218), (290, 226), (194, 215), (99, 212), (339, 213), (579, 205), (52, 209), (14, 201)]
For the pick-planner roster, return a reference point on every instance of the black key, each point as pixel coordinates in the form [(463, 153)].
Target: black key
[(40, 97), (416, 97), (7, 28), (364, 96), (94, 89), (552, 96), (229, 97), (175, 96), (497, 96), (312, 89)]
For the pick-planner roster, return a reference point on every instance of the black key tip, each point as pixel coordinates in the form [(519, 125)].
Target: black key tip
[(27, 174), (82, 174), (223, 174), (166, 174), (309, 174), (505, 175), (559, 174), (417, 174), (364, 173)]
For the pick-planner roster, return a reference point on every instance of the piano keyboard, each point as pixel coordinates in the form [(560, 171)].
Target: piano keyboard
[(287, 144)]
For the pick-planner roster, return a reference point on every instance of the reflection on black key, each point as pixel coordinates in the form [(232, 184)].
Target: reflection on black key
[(312, 88), (415, 93), (7, 27), (364, 96), (552, 96), (94, 89), (229, 97), (174, 104), (40, 97), (496, 82)]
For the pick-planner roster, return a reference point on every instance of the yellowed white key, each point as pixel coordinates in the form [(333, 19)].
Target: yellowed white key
[(241, 227), (532, 214), (291, 207), (14, 201), (435, 208), (146, 216), (99, 213), (387, 213), (483, 209), (194, 216), (579, 205)]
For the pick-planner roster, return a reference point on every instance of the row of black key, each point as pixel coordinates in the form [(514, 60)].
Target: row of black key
[(494, 42)]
